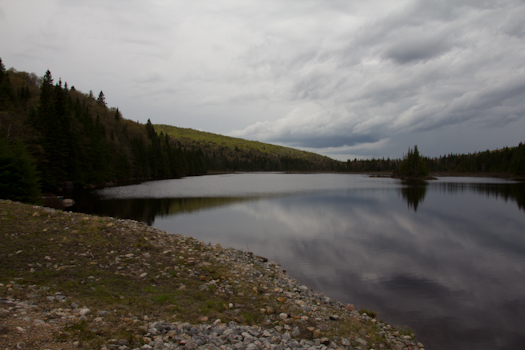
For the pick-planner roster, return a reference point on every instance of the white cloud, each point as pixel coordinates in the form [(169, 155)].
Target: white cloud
[(323, 75)]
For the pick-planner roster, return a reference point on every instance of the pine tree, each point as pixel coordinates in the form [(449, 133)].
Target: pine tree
[(101, 100), (2, 71), (150, 130)]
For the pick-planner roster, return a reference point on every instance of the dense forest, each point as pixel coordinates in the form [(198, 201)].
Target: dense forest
[(56, 137)]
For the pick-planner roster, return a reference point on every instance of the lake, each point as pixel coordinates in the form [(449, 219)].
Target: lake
[(445, 258)]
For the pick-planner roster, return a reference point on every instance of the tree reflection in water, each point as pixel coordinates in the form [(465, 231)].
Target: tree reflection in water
[(414, 193)]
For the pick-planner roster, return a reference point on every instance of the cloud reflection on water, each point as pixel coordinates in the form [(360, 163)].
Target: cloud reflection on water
[(457, 260), (447, 258)]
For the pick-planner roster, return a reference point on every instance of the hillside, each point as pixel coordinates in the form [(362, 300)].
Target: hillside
[(224, 153), (54, 137)]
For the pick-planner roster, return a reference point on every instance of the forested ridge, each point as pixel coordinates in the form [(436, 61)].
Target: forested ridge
[(224, 153), (67, 138)]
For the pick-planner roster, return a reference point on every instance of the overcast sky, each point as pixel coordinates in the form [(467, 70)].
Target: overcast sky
[(341, 78)]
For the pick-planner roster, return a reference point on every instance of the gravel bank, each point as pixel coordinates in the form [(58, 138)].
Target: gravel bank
[(198, 296)]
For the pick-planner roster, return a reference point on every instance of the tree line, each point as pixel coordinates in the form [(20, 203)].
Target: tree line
[(61, 138), (509, 160), (54, 137)]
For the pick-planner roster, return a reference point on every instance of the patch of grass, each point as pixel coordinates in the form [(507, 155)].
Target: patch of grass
[(370, 313), (248, 317), (406, 331), (160, 299), (81, 331)]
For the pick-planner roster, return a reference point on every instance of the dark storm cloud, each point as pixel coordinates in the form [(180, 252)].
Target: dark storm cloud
[(328, 141), (417, 49)]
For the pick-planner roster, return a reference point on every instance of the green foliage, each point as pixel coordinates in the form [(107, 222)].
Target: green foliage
[(18, 176), (224, 153), (101, 100), (412, 166), (370, 313), (76, 139), (509, 160)]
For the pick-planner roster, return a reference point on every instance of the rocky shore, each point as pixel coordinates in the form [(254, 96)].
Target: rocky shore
[(74, 281)]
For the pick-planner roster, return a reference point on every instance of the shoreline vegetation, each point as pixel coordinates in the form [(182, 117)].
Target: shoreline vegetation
[(412, 168), (75, 280)]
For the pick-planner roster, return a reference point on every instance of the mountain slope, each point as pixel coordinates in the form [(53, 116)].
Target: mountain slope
[(227, 153)]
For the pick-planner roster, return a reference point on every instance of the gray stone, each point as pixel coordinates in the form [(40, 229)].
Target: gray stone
[(275, 340), (296, 332), (239, 346), (160, 346), (361, 341), (190, 344)]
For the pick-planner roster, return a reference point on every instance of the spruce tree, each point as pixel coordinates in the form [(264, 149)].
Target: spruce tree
[(101, 100), (2, 71)]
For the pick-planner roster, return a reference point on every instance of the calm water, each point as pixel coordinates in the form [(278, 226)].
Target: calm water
[(446, 259)]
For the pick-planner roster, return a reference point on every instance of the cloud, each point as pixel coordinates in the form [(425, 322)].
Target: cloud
[(309, 125), (416, 48), (330, 76), (418, 69)]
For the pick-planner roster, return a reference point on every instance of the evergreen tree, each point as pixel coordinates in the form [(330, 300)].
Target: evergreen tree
[(18, 175), (150, 130), (2, 71), (101, 100), (7, 94)]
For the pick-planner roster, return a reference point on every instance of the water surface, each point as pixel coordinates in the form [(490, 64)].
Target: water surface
[(446, 258)]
